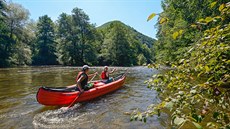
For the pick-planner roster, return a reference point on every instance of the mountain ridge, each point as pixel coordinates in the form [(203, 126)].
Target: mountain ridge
[(138, 35)]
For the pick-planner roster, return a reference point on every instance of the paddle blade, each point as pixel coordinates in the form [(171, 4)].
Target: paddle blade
[(64, 108)]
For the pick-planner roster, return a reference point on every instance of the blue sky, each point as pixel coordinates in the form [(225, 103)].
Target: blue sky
[(131, 12)]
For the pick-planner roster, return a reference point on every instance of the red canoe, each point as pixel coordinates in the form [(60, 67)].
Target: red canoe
[(64, 95)]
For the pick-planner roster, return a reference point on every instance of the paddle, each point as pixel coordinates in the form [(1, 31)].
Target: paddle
[(93, 77), (121, 75), (75, 99), (126, 71)]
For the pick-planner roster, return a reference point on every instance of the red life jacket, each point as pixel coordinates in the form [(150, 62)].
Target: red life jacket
[(78, 75), (104, 76)]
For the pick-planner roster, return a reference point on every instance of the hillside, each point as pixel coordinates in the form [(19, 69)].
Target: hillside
[(122, 45), (107, 27)]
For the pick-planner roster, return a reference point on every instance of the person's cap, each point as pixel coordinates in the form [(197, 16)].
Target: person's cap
[(85, 67)]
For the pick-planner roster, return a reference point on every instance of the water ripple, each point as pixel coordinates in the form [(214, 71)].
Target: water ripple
[(62, 119)]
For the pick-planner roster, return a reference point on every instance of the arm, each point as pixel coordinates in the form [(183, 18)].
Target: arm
[(79, 83), (91, 75), (112, 71)]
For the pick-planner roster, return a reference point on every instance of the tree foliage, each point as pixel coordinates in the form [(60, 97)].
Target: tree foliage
[(71, 40), (5, 40), (67, 41), (45, 53), (196, 87), (122, 45), (13, 37), (174, 23), (116, 50), (17, 20), (77, 39)]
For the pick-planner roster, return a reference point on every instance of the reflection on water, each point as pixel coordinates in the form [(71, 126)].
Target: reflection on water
[(19, 108)]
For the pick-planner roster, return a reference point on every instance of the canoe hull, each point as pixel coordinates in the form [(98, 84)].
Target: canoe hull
[(57, 98)]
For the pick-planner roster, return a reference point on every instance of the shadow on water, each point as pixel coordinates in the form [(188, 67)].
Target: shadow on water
[(19, 108)]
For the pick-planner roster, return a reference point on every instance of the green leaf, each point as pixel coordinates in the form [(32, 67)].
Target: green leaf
[(200, 118), (131, 119), (140, 116), (201, 20), (156, 80), (181, 31), (181, 60), (210, 78), (195, 117), (198, 126), (151, 16), (218, 17), (169, 105), (208, 19), (163, 20), (211, 125), (158, 113), (207, 68), (221, 7), (145, 119), (175, 35), (179, 121), (213, 4), (193, 26), (215, 114), (193, 92), (200, 74)]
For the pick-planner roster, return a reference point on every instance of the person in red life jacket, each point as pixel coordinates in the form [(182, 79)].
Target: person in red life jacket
[(105, 75), (82, 79)]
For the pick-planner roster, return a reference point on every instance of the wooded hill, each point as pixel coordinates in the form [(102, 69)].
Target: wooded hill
[(137, 35), (123, 45), (71, 40)]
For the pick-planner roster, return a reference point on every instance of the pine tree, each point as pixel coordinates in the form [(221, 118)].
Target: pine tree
[(46, 45)]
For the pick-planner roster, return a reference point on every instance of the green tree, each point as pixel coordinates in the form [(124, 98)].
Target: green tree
[(141, 59), (17, 20), (67, 48), (30, 32), (117, 49), (45, 53), (175, 21), (5, 40), (116, 38), (2, 10), (196, 89), (77, 39), (85, 35), (92, 46)]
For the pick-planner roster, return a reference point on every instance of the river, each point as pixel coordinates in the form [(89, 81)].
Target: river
[(20, 109)]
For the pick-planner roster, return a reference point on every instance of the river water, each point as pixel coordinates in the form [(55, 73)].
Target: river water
[(20, 109)]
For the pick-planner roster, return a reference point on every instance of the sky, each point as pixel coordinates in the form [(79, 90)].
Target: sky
[(131, 12)]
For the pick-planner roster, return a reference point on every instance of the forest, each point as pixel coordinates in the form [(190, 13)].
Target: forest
[(70, 40)]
